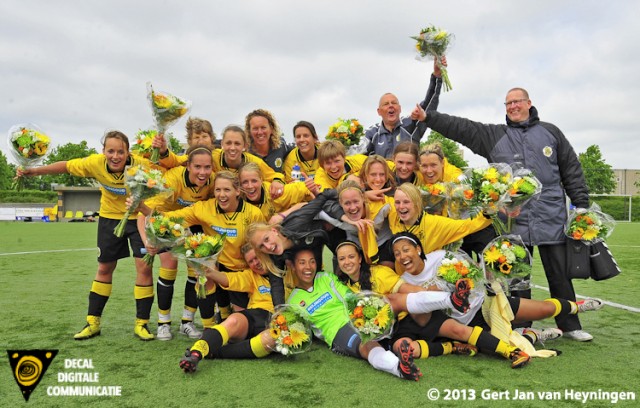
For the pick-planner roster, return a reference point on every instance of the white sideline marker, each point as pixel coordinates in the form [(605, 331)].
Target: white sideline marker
[(606, 302), (46, 252)]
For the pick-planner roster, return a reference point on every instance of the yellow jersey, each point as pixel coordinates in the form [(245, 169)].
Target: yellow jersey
[(184, 194), (384, 280), (214, 221), (113, 192), (292, 194), (352, 165), (309, 167), (257, 286)]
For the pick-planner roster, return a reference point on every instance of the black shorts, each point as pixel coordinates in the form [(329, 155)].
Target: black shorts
[(408, 327), (240, 299), (478, 319), (347, 342), (258, 321), (112, 248), (385, 253)]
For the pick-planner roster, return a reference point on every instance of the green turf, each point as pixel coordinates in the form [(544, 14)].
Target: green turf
[(43, 301)]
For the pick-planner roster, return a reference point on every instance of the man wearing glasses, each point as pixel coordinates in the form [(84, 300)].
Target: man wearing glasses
[(542, 148)]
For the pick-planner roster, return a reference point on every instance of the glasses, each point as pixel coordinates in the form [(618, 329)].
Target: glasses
[(515, 102)]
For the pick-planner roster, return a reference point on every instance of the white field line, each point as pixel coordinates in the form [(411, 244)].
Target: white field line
[(606, 302), (46, 252)]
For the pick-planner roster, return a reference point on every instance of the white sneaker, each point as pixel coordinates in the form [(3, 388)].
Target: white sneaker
[(164, 332), (578, 335), (546, 334), (189, 329), (589, 305)]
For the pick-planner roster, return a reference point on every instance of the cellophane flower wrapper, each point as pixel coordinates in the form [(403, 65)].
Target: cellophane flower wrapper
[(142, 183), (201, 252), (290, 328), (163, 232), (589, 225), (434, 197), (490, 184), (370, 314), (458, 265), (167, 109), (524, 186), (28, 145), (508, 261), (460, 200), (346, 131), (142, 142), (434, 42)]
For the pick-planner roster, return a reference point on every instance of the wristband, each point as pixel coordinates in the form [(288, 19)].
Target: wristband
[(282, 215)]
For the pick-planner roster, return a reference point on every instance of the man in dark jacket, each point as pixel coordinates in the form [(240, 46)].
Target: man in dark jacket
[(542, 148)]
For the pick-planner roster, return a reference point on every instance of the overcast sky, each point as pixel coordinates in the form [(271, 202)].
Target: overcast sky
[(76, 68)]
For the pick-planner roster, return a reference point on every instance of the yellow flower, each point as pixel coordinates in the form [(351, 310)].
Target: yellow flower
[(40, 148), (492, 255), (161, 101), (491, 174), (275, 332), (590, 234), (298, 337), (358, 323), (383, 316)]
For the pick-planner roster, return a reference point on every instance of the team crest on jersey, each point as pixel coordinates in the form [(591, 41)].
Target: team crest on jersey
[(547, 151), (278, 162), (303, 303)]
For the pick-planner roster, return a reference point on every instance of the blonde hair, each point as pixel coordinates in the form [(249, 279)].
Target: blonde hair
[(414, 195), (274, 140), (227, 175), (366, 166), (264, 258), (353, 185), (435, 148), (236, 128), (330, 149), (250, 166)]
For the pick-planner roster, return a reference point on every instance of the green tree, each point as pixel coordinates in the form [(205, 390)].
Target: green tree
[(598, 174), (67, 152), (174, 144), (7, 172), (450, 148)]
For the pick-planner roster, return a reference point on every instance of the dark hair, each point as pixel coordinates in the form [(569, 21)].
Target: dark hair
[(196, 150), (408, 236), (308, 125), (365, 269), (115, 134)]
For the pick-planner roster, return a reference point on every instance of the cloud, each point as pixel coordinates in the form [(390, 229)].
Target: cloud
[(78, 68)]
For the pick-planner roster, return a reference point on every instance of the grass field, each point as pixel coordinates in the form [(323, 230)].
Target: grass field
[(47, 269)]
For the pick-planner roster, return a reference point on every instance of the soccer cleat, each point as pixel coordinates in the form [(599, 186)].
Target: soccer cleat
[(91, 329), (460, 296), (519, 358), (164, 332), (588, 305), (189, 329), (408, 370), (190, 361), (540, 336), (578, 335), (141, 330), (464, 349)]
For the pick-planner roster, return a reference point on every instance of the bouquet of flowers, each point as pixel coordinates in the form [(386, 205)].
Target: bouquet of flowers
[(507, 260), (460, 200), (290, 329), (524, 186), (142, 145), (490, 186), (434, 197), (434, 42), (166, 110), (346, 131), (163, 232), (143, 183), (201, 252), (458, 265), (370, 314), (589, 225), (28, 145)]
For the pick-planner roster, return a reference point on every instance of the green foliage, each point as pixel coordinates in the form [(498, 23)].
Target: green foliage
[(598, 174), (174, 144), (449, 147), (618, 207), (67, 152), (7, 172), (26, 196)]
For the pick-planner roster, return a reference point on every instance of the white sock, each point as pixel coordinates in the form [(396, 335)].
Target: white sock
[(425, 302), (164, 318), (188, 314), (384, 360)]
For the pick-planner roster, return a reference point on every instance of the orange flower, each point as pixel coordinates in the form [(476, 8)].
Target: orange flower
[(468, 194), (288, 341), (357, 312), (151, 183), (280, 320)]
